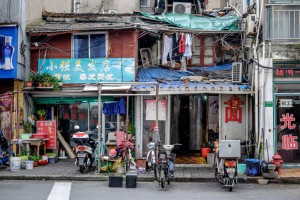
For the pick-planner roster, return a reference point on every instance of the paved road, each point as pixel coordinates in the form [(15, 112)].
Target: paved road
[(51, 190)]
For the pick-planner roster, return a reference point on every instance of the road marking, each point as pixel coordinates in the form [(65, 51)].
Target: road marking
[(60, 191)]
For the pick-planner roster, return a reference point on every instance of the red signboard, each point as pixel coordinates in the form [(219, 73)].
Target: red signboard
[(287, 72), (49, 128)]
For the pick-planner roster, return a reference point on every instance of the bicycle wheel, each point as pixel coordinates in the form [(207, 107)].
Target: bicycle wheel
[(218, 176), (127, 161), (155, 170)]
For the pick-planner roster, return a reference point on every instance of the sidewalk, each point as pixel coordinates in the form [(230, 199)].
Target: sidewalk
[(66, 170)]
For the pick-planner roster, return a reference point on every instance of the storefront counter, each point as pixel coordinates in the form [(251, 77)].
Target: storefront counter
[(35, 143)]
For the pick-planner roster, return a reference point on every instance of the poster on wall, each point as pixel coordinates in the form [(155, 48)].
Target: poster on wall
[(8, 51), (49, 128), (151, 110)]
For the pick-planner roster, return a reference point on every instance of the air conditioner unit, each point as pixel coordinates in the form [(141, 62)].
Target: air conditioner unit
[(241, 5), (250, 27), (112, 11), (237, 71), (182, 8)]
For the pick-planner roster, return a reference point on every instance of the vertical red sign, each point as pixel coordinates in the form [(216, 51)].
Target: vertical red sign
[(49, 128)]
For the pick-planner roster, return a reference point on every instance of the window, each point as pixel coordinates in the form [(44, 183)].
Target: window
[(145, 3), (204, 52), (90, 46)]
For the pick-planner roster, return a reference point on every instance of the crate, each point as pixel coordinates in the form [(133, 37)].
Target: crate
[(229, 149), (131, 179), (115, 180), (252, 167)]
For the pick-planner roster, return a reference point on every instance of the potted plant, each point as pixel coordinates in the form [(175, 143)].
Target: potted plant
[(37, 79), (28, 125), (30, 79), (35, 159), (205, 149), (41, 113)]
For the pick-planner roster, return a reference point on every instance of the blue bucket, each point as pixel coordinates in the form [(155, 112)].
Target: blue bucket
[(241, 168)]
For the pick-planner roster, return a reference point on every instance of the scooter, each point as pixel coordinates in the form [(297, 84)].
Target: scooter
[(85, 145), (227, 161), (3, 151)]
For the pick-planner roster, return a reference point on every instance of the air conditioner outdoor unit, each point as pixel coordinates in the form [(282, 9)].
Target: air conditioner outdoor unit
[(236, 73), (250, 27), (112, 11), (182, 8)]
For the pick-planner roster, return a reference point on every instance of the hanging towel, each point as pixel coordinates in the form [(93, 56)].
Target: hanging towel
[(167, 49), (188, 47), (122, 106)]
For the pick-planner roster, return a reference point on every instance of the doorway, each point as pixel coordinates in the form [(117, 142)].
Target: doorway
[(194, 121)]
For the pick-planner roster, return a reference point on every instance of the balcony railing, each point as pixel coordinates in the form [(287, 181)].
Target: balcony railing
[(282, 24)]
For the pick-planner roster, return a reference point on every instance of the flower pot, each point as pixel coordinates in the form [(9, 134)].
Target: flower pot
[(28, 84), (29, 164), (204, 152), (35, 163), (42, 118), (15, 164), (25, 136)]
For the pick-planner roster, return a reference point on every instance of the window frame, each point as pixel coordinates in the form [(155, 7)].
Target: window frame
[(147, 4), (89, 42)]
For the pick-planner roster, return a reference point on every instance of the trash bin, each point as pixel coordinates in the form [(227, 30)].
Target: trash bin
[(252, 167)]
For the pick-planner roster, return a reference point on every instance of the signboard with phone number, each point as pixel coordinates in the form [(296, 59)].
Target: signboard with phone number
[(49, 128)]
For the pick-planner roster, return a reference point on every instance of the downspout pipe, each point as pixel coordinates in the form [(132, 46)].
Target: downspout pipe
[(255, 52)]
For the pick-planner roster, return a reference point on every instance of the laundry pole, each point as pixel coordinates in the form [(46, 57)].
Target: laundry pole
[(127, 116), (156, 129), (99, 125)]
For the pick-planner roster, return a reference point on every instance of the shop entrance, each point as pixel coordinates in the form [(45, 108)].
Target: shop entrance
[(288, 129), (194, 122)]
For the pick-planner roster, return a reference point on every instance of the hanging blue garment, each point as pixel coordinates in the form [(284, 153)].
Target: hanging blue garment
[(115, 108), (122, 106)]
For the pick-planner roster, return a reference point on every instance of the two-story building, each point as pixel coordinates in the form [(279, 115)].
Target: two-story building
[(202, 95)]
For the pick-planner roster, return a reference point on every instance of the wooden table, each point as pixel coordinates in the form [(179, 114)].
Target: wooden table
[(35, 142)]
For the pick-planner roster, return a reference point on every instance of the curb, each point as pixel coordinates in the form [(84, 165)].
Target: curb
[(105, 178), (280, 180)]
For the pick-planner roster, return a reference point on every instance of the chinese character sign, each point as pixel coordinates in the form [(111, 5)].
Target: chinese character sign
[(49, 128), (90, 70), (289, 143), (233, 112), (288, 140)]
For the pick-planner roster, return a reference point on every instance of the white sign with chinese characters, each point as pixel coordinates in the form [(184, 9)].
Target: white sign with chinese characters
[(285, 103)]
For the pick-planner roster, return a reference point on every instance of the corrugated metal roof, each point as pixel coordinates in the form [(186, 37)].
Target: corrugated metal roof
[(70, 22), (69, 27)]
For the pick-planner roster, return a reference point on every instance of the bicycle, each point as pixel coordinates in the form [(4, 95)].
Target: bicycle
[(129, 161)]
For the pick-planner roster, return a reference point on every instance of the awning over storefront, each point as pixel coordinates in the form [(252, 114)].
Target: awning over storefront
[(182, 87), (88, 88)]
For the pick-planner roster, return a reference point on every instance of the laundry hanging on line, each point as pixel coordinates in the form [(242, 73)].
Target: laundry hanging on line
[(114, 108)]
